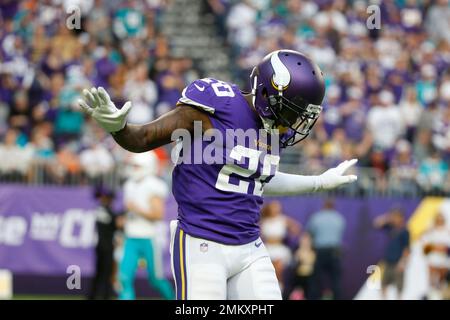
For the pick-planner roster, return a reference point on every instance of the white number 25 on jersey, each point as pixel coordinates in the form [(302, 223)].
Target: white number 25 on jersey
[(237, 153)]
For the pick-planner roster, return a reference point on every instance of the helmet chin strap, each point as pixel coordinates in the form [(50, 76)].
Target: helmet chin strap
[(268, 125)]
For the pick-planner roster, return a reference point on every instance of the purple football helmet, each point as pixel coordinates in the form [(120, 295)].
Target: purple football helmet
[(288, 89)]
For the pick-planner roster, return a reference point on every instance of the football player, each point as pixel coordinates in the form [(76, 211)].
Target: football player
[(216, 249), (144, 197)]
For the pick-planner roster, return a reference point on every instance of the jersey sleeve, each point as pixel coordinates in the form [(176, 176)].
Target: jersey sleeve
[(199, 94), (215, 97)]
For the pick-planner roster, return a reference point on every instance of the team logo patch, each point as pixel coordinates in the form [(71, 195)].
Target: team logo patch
[(204, 247)]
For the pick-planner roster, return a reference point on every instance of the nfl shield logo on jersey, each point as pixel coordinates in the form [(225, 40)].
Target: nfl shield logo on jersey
[(204, 247)]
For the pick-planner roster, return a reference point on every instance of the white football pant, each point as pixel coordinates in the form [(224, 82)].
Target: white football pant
[(207, 270)]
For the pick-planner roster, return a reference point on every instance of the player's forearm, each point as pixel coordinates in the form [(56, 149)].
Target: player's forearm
[(156, 215), (285, 183), (151, 215), (142, 138), (139, 138)]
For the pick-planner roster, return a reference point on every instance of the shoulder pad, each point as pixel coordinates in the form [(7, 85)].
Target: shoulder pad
[(204, 93)]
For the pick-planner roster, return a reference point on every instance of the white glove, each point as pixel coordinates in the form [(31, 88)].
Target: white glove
[(98, 104), (287, 184), (334, 177)]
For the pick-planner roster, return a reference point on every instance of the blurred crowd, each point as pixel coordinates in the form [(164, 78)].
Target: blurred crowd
[(308, 258), (388, 89), (44, 66)]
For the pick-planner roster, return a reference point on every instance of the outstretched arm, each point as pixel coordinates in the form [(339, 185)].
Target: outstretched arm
[(156, 212), (139, 138), (285, 183)]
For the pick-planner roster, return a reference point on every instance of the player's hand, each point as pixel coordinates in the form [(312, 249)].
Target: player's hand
[(334, 177), (98, 104)]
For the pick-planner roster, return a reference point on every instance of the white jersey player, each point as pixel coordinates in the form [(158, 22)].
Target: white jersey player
[(144, 197)]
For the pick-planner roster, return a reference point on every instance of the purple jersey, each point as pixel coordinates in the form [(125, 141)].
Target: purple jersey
[(220, 200)]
